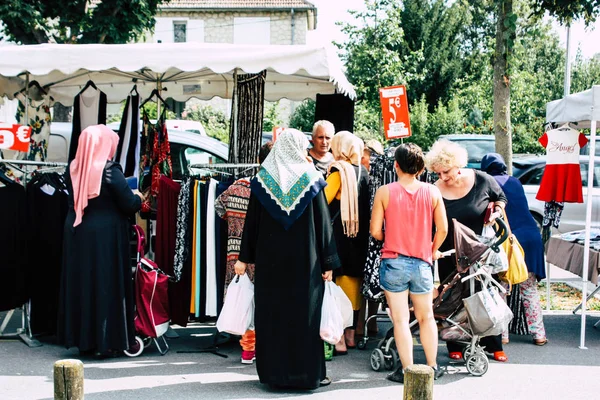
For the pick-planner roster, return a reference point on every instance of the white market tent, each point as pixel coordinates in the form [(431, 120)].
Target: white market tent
[(183, 70), (583, 108)]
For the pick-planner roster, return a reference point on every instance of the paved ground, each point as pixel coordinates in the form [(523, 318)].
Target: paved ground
[(559, 370)]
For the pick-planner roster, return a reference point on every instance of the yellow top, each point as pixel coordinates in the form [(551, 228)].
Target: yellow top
[(334, 184)]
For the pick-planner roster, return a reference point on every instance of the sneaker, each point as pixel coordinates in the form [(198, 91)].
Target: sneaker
[(248, 357), (397, 376), (438, 372)]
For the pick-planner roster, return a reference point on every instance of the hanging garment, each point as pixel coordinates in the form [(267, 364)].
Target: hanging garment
[(562, 176), (166, 224), (211, 261), (39, 118), (180, 291), (232, 205), (337, 109), (89, 108), (128, 151), (47, 210), (381, 173), (15, 285), (156, 162)]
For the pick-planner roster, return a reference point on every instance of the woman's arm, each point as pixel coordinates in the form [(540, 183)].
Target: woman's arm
[(440, 221), (378, 213), (334, 184), (126, 200)]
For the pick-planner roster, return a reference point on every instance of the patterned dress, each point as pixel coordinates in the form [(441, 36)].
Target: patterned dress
[(232, 205), (39, 119)]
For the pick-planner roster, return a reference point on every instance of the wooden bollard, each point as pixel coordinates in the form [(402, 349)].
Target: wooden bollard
[(68, 380), (418, 383)]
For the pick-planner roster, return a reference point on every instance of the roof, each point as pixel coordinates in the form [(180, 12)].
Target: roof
[(231, 4)]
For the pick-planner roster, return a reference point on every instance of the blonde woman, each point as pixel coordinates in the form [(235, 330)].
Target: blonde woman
[(466, 193), (347, 193)]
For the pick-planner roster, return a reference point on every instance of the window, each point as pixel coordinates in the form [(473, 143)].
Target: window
[(179, 32)]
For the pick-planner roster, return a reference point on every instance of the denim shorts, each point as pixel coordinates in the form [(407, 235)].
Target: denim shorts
[(401, 273)]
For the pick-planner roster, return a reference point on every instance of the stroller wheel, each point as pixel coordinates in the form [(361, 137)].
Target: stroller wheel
[(392, 360), (477, 364), (362, 344), (377, 359), (147, 341), (135, 350)]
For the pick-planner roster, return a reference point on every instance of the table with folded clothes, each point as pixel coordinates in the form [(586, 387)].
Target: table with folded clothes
[(566, 252)]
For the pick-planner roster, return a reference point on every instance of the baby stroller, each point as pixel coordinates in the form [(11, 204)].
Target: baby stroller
[(151, 301), (457, 319)]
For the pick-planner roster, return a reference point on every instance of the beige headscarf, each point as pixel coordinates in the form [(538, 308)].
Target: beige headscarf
[(347, 150)]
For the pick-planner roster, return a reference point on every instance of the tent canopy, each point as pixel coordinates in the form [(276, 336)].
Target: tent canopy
[(184, 70), (582, 107)]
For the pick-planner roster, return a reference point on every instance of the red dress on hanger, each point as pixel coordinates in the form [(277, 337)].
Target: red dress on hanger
[(561, 181)]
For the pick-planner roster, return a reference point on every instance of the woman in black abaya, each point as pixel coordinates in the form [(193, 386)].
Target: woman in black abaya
[(96, 298), (289, 238)]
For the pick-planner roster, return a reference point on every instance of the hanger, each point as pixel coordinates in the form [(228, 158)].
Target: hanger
[(87, 85), (566, 127), (134, 90), (37, 85), (155, 93)]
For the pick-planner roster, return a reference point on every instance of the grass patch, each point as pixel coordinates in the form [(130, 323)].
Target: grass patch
[(565, 297)]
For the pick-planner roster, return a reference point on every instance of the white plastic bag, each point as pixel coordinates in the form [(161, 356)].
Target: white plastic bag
[(332, 324), (344, 304), (237, 314)]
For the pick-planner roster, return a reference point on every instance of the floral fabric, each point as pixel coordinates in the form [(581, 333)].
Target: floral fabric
[(39, 119)]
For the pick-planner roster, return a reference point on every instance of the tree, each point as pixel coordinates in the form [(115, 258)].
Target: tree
[(303, 117), (506, 27), (271, 117), (76, 21), (566, 11), (215, 122)]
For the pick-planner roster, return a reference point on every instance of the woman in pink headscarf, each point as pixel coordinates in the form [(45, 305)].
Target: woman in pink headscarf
[(96, 298)]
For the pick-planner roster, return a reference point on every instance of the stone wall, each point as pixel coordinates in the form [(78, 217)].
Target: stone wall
[(219, 26)]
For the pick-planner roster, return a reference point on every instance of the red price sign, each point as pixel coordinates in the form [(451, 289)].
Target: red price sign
[(394, 107), (14, 137)]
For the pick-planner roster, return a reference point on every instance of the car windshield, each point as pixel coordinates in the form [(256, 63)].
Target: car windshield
[(477, 148)]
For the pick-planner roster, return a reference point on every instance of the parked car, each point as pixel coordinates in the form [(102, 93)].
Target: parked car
[(477, 146), (573, 215), (187, 148)]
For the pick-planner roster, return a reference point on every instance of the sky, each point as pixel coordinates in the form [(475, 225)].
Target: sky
[(330, 11)]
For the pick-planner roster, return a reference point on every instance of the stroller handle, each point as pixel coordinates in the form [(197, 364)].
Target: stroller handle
[(501, 233)]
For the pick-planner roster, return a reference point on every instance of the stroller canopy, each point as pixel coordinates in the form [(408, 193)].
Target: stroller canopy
[(468, 245)]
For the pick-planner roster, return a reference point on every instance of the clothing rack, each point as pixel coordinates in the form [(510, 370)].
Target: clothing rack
[(238, 169), (24, 332)]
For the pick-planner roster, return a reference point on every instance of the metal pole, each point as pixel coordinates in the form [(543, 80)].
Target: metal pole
[(567, 85), (234, 112), (588, 224)]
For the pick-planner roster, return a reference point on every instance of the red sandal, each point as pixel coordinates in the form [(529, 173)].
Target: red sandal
[(455, 355)]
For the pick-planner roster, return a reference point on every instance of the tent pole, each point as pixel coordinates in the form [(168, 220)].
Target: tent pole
[(588, 223), (234, 111), (159, 89)]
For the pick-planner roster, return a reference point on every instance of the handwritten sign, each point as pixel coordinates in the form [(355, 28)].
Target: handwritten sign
[(14, 137), (394, 107)]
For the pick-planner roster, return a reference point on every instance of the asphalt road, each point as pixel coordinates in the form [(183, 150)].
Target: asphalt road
[(559, 370)]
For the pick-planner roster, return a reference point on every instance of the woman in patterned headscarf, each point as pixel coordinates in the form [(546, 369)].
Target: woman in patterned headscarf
[(347, 193), (289, 238)]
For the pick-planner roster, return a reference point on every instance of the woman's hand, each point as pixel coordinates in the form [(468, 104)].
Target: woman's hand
[(327, 275), (240, 267), (139, 194)]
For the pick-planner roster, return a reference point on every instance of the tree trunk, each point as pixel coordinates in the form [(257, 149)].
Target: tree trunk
[(502, 126), (61, 113)]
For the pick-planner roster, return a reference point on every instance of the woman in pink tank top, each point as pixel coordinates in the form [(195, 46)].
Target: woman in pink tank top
[(410, 210)]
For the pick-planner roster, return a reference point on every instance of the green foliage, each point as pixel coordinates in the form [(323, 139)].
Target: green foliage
[(303, 116), (585, 73), (566, 11), (74, 21), (151, 109), (215, 122), (271, 117)]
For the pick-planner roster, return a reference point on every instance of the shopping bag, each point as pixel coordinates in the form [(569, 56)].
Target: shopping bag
[(517, 269), (344, 304), (332, 324), (237, 314), (489, 315)]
